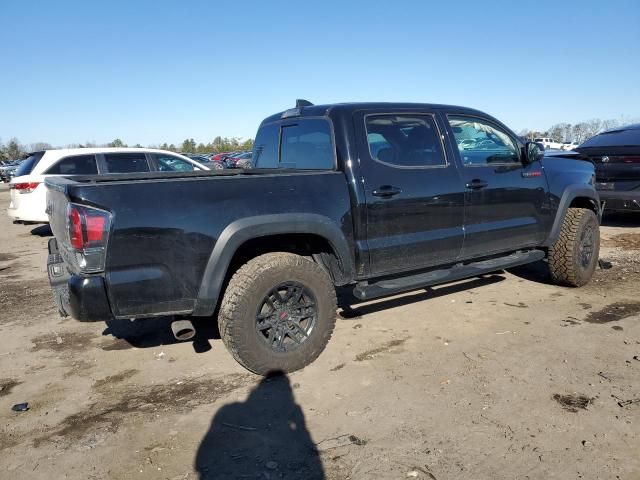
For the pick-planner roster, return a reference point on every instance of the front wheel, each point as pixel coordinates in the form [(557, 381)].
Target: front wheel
[(278, 313), (574, 255)]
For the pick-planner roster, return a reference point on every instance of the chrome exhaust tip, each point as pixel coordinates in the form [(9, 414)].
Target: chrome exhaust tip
[(183, 329)]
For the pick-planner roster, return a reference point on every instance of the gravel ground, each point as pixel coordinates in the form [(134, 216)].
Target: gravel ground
[(500, 377)]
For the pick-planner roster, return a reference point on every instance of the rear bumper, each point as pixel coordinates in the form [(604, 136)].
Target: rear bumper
[(83, 298), (613, 200), (24, 215), (28, 207)]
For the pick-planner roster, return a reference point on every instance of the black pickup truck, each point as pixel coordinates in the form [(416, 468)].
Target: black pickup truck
[(381, 197)]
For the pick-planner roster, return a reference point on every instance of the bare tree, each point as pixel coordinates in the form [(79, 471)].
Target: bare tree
[(34, 147), (14, 149)]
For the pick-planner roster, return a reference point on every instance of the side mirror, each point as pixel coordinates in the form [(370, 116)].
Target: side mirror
[(533, 152)]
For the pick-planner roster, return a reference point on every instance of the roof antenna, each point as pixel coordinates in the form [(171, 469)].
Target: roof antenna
[(303, 103)]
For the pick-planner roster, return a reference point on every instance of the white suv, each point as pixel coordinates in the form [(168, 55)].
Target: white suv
[(548, 143), (29, 194)]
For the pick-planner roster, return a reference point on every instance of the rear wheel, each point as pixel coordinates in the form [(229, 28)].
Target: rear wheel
[(278, 313), (574, 255)]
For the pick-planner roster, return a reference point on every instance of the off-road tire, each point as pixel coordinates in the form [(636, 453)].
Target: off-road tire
[(565, 262), (243, 297)]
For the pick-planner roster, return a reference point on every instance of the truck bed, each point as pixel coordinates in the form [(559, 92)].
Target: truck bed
[(166, 225)]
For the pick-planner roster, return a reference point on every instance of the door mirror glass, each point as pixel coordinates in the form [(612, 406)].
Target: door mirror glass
[(534, 152)]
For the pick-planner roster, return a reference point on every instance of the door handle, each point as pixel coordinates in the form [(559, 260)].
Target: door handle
[(386, 191), (476, 184)]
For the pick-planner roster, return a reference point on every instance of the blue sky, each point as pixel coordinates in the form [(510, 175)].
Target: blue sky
[(154, 71)]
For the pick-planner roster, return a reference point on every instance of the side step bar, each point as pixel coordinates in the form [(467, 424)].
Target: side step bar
[(366, 291)]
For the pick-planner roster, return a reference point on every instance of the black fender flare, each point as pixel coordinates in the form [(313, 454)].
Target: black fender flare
[(248, 228), (571, 192)]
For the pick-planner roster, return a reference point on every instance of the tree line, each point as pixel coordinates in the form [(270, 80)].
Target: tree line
[(578, 132), (561, 132), (14, 150)]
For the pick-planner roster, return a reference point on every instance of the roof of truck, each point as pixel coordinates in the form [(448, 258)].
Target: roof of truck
[(325, 110)]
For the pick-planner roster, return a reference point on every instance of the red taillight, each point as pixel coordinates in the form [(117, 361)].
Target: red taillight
[(88, 227), (75, 228), (25, 187)]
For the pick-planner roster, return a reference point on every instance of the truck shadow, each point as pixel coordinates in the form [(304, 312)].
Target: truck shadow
[(350, 308), (263, 437), (630, 219), (534, 272), (153, 332), (42, 231)]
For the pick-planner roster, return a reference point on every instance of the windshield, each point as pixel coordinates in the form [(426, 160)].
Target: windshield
[(615, 138), (29, 164)]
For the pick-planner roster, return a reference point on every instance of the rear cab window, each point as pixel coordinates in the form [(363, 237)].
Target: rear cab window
[(75, 165), (131, 162), (298, 143)]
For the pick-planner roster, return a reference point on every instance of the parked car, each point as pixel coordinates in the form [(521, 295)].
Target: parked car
[(9, 173), (570, 145), (219, 157), (8, 168), (548, 143), (616, 156), (205, 160), (230, 159), (28, 193), (240, 160), (319, 210)]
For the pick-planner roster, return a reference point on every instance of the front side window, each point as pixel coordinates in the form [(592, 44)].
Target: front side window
[(133, 162), (77, 165), (405, 140), (481, 143), (171, 163)]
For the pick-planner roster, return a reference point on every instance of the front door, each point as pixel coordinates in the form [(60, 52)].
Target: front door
[(414, 195), (506, 200)]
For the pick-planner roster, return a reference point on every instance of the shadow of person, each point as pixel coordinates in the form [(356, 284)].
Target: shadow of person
[(263, 437)]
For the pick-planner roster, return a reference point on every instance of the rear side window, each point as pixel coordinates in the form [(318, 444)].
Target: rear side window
[(301, 144), (27, 166), (265, 146), (405, 140), (77, 165), (126, 162)]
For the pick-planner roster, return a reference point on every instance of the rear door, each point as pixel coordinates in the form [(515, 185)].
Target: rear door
[(506, 201), (414, 194)]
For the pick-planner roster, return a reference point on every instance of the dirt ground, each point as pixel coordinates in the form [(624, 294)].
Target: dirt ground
[(500, 377)]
